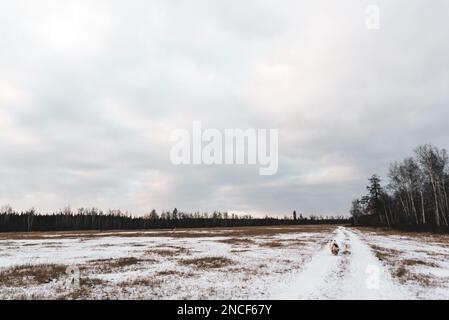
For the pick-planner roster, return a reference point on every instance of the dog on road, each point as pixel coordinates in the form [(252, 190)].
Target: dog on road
[(335, 249)]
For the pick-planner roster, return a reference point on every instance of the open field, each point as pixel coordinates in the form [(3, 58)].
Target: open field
[(291, 262)]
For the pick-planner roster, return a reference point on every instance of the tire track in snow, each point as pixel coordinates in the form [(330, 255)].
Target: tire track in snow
[(367, 277), (312, 281), (354, 274)]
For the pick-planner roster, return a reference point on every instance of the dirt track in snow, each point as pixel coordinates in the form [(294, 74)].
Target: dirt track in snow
[(355, 273)]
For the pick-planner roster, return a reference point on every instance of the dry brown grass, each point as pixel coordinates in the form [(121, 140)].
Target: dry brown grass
[(31, 274), (243, 271), (245, 231), (176, 273), (83, 291), (210, 292), (402, 269), (179, 233), (167, 273), (145, 282), (124, 262), (434, 238), (173, 251), (388, 232), (300, 242), (207, 262), (272, 244), (78, 294), (400, 272), (109, 265), (385, 254), (276, 243), (418, 262), (105, 245), (163, 253), (91, 282), (238, 241), (404, 275), (238, 250), (136, 244)]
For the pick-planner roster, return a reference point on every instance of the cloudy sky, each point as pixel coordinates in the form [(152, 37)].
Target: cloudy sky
[(91, 90)]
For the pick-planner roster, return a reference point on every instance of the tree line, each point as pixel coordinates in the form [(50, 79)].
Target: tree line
[(96, 219), (415, 196)]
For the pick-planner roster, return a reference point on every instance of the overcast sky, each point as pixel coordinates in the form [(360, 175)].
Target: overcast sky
[(91, 90)]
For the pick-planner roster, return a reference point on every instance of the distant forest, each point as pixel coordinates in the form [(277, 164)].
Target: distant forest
[(415, 196), (96, 219)]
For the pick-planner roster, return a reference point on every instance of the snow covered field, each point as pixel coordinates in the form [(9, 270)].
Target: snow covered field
[(242, 263)]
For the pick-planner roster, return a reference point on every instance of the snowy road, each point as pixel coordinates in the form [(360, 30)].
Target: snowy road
[(354, 274)]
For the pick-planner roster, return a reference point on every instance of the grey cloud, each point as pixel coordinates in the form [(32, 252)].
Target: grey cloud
[(90, 91)]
